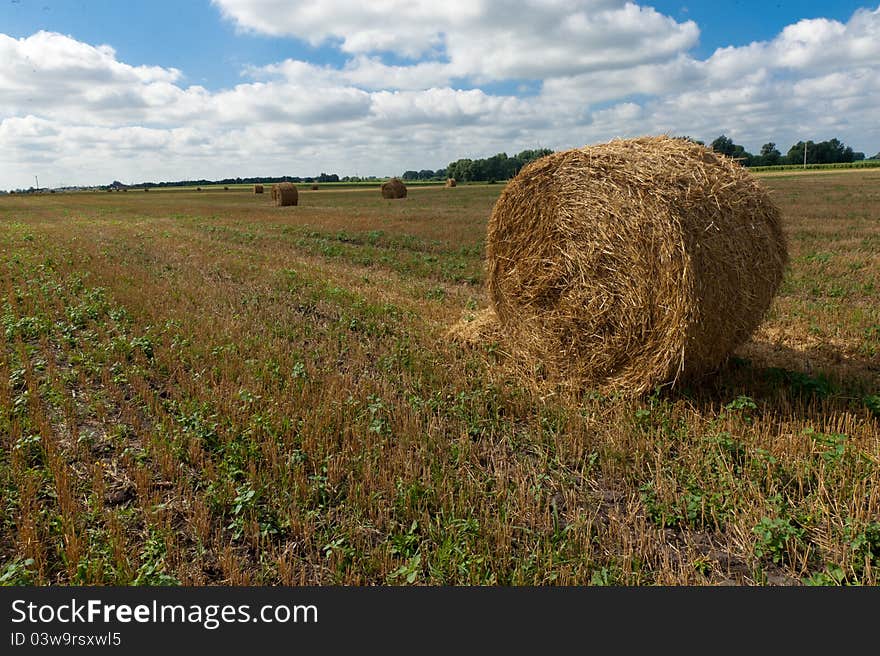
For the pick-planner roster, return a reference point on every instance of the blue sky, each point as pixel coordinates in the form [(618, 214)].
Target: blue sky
[(169, 90), (192, 35), (187, 34)]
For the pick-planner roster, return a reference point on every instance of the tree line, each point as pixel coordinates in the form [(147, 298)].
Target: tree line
[(323, 177), (504, 167), (832, 151)]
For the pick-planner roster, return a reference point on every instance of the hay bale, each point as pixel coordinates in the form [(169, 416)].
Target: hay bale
[(284, 194), (225, 188), (314, 187), (258, 189), (632, 264), (198, 188), (450, 182), (394, 188)]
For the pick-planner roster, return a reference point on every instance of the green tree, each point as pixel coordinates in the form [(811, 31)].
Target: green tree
[(832, 151), (795, 154), (770, 156), (724, 145)]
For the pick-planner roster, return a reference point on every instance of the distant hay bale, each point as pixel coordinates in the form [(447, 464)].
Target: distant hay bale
[(394, 188), (284, 194), (225, 188), (146, 189), (258, 189), (450, 182), (198, 188), (314, 187), (630, 264)]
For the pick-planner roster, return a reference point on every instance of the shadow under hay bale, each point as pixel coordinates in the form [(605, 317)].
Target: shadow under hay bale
[(258, 189), (394, 188), (631, 264), (284, 194)]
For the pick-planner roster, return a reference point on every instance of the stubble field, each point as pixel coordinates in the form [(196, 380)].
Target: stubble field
[(199, 388)]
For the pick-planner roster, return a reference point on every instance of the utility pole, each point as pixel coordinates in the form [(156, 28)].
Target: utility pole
[(805, 154), (37, 180)]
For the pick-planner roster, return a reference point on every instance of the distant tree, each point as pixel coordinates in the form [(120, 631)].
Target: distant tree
[(410, 175), (770, 156), (460, 169), (795, 154), (723, 145), (426, 174), (832, 151), (497, 167), (528, 156)]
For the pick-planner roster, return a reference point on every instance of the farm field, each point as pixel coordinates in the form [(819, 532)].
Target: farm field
[(200, 388)]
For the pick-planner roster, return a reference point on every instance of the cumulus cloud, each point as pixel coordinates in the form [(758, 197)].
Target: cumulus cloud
[(604, 69), (483, 39), (56, 76)]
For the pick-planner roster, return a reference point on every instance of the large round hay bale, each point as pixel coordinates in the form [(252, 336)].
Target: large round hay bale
[(258, 189), (284, 194), (394, 188), (632, 264), (450, 182)]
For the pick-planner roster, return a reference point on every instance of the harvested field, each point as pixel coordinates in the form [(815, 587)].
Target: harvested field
[(198, 389)]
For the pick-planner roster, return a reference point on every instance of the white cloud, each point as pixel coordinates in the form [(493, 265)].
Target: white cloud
[(361, 72), (483, 39), (53, 75), (606, 69)]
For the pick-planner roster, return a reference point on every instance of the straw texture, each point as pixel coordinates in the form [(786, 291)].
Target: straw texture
[(630, 264)]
